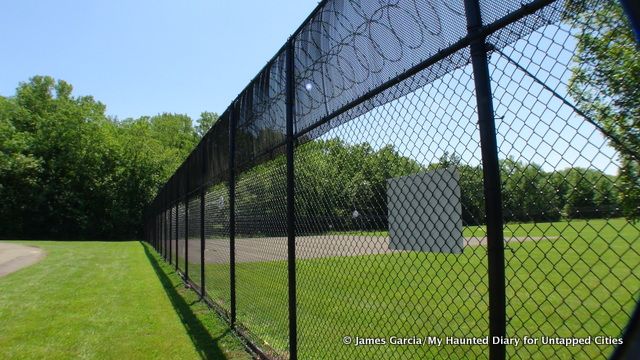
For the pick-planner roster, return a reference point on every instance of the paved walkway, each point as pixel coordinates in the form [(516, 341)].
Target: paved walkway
[(309, 247), (14, 257)]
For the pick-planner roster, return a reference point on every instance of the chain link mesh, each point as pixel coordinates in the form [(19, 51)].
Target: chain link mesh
[(581, 279), (261, 253), (217, 245), (194, 242), (180, 248), (391, 191)]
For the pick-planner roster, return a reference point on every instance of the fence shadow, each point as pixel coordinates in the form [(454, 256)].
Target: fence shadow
[(206, 345)]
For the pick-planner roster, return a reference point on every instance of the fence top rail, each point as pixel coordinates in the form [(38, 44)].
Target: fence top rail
[(313, 28)]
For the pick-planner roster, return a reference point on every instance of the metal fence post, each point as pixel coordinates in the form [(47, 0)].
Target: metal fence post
[(232, 214), (162, 233), (165, 231), (291, 237), (159, 232), (170, 231), (491, 179), (202, 242), (177, 225), (186, 224)]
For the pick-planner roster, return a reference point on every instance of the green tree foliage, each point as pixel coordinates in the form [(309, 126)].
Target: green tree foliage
[(19, 168), (333, 178), (528, 194), (205, 122), (344, 178), (61, 136), (605, 83), (589, 194), (68, 171), (150, 149)]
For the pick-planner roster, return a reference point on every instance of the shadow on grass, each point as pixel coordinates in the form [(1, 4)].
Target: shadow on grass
[(206, 345)]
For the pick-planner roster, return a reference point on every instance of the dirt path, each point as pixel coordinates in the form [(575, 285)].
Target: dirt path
[(14, 257)]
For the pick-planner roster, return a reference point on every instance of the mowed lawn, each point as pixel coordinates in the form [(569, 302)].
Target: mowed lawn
[(582, 281), (105, 300)]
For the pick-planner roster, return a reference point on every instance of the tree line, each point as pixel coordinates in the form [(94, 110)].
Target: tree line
[(67, 170), (342, 186)]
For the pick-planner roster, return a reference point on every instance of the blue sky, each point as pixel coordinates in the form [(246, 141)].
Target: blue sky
[(145, 57)]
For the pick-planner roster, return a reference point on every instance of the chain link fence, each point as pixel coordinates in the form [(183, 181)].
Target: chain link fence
[(423, 179)]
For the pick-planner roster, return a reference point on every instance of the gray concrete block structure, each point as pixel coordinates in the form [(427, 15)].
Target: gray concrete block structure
[(425, 213)]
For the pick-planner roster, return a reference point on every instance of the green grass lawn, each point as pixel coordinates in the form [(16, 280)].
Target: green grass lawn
[(583, 281), (106, 300)]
